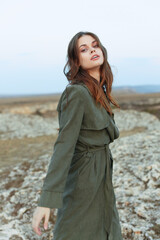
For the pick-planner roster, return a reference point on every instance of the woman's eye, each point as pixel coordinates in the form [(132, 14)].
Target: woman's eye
[(86, 49)]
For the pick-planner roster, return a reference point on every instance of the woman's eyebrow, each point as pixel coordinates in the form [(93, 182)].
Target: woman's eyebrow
[(85, 44)]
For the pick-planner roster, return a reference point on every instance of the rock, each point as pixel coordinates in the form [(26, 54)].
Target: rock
[(136, 176), (15, 237), (19, 126)]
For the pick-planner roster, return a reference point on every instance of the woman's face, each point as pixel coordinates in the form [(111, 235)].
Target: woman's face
[(87, 48)]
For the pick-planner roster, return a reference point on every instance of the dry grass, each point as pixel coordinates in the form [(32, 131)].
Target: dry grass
[(18, 150), (132, 131), (131, 101)]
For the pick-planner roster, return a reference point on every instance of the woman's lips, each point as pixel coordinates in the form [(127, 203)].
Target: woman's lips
[(94, 59)]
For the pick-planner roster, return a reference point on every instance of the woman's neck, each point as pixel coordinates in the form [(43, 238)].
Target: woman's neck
[(95, 74)]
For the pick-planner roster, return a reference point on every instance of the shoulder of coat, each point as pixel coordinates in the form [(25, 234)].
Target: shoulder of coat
[(73, 90), (77, 89), (83, 88)]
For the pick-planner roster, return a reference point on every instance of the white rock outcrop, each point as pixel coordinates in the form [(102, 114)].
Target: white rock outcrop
[(136, 176)]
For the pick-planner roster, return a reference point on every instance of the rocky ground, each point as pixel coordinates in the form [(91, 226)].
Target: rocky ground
[(26, 142)]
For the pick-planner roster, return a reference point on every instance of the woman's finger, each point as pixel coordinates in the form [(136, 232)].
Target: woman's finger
[(46, 218), (36, 223)]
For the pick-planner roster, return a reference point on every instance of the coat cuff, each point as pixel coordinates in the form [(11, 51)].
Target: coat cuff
[(50, 199)]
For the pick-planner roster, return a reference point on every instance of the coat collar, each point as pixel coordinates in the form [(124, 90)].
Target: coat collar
[(83, 84)]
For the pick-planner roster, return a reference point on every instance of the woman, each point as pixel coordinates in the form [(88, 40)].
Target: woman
[(79, 177)]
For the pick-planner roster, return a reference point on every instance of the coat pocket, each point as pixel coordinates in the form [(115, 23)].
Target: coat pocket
[(85, 173)]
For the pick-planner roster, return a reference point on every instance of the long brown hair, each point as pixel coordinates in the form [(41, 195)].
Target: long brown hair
[(101, 91)]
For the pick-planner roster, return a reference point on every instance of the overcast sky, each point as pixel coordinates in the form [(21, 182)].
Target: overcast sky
[(34, 37)]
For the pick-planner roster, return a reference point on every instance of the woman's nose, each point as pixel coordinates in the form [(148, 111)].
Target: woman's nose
[(92, 50)]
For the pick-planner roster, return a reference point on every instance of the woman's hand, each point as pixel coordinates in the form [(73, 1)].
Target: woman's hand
[(40, 212)]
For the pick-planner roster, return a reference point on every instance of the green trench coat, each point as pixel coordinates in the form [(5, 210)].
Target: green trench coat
[(79, 178)]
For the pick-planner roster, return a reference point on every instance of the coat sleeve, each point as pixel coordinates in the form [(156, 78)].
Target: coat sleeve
[(70, 118)]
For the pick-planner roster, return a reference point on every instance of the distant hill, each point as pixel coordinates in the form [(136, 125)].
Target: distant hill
[(137, 89), (29, 95), (126, 89)]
